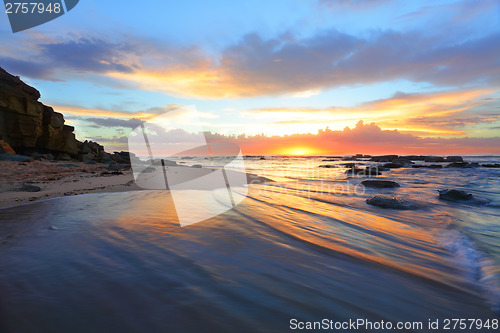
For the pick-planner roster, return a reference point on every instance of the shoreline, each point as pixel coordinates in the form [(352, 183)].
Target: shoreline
[(30, 182)]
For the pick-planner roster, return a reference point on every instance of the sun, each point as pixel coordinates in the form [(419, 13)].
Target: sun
[(298, 151)]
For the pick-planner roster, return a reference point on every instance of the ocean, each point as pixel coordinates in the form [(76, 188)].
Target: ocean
[(302, 249)]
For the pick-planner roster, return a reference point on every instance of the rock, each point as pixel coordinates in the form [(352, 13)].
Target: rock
[(158, 162), (63, 157), (363, 172), (5, 148), (68, 165), (86, 157), (376, 183), (26, 123), (434, 159), (48, 157), (28, 188), (327, 166), (392, 165), (455, 195), (85, 148), (329, 160), (415, 157), (123, 165), (91, 162), (112, 167), (107, 160), (196, 166), (122, 157), (454, 159), (262, 158), (16, 158), (112, 173), (148, 170), (349, 165), (384, 201), (432, 166), (496, 165), (460, 196), (462, 165), (383, 158)]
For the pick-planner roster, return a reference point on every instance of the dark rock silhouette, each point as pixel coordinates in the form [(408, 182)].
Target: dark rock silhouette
[(35, 129), (376, 183)]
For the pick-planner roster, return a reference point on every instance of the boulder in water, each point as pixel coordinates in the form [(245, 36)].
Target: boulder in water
[(376, 183), (384, 201), (455, 195)]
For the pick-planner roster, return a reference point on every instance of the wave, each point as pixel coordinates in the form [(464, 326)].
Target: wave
[(477, 265)]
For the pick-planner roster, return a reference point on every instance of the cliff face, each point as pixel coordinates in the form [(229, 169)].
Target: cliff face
[(28, 125)]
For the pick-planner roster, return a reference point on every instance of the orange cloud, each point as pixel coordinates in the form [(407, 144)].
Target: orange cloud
[(363, 138), (88, 112), (423, 113)]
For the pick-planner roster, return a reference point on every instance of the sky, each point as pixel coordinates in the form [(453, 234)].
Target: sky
[(275, 77)]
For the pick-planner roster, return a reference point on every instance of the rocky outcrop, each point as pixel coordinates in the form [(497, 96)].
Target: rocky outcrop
[(28, 125)]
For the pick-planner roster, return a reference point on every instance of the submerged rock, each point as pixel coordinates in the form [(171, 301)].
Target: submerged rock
[(376, 183), (384, 201), (327, 166)]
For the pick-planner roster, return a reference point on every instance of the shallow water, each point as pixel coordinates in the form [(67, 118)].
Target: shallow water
[(305, 247)]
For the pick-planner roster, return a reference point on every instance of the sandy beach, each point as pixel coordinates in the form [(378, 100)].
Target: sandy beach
[(22, 183), (57, 179)]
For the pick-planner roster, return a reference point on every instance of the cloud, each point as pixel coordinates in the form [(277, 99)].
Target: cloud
[(257, 66), (52, 59), (443, 113), (142, 115), (114, 122), (364, 138)]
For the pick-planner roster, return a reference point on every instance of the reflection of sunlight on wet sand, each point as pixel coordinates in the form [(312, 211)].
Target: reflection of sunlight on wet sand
[(150, 211), (382, 240)]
